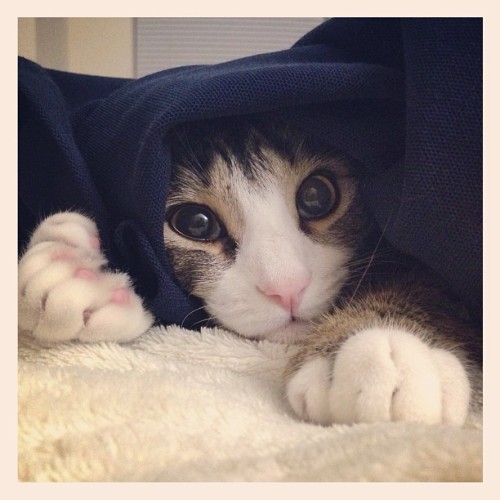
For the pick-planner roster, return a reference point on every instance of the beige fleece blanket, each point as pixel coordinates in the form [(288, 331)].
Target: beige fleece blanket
[(176, 405)]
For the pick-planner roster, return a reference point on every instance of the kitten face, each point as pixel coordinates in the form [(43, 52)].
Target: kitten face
[(261, 226)]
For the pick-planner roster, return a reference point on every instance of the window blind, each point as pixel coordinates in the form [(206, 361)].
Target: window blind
[(163, 43)]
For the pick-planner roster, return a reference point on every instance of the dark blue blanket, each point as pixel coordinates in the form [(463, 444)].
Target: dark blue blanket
[(404, 97)]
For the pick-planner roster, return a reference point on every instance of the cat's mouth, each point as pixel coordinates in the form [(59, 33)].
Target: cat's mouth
[(290, 333)]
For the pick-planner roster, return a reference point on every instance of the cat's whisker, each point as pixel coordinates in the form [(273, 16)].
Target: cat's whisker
[(190, 313), (361, 263), (205, 320), (372, 257)]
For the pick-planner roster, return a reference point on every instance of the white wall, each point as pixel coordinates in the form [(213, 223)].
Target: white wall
[(94, 46), (167, 42), (27, 37), (106, 46), (101, 46)]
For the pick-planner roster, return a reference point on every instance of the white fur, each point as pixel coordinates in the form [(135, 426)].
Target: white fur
[(177, 406), (455, 388), (310, 401), (274, 249), (378, 374), (55, 305), (382, 375)]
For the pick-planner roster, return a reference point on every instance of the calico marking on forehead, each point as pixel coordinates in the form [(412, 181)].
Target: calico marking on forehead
[(240, 142), (205, 152)]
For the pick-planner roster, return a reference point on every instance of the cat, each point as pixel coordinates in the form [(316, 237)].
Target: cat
[(266, 224)]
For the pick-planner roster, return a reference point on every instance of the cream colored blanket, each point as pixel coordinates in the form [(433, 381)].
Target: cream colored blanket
[(176, 405)]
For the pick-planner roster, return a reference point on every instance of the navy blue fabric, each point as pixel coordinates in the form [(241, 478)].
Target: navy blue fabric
[(401, 96)]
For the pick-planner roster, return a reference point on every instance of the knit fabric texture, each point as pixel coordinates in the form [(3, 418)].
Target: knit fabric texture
[(403, 97)]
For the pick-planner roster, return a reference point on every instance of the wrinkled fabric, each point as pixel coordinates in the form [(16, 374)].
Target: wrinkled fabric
[(403, 97)]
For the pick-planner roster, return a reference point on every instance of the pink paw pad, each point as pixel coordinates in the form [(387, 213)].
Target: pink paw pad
[(85, 274), (86, 316), (63, 254), (120, 296), (95, 242)]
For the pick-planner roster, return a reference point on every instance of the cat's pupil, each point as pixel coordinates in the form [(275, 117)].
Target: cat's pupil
[(316, 197), (313, 198), (199, 225), (195, 222)]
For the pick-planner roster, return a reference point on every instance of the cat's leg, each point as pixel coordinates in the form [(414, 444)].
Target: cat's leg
[(65, 291), (369, 369)]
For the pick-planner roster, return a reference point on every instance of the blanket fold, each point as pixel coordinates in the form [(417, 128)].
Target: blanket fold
[(206, 407), (400, 96)]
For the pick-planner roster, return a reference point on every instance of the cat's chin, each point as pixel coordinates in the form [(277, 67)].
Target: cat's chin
[(290, 333)]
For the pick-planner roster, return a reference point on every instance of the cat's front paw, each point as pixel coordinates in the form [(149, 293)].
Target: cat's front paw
[(66, 293), (382, 375)]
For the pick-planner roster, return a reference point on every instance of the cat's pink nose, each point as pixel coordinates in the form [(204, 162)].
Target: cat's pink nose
[(288, 293)]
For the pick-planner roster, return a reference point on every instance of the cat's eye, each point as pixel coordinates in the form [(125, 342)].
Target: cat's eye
[(317, 197), (195, 222)]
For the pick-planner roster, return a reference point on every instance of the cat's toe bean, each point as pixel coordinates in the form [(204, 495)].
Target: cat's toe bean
[(122, 318), (70, 228), (120, 296), (382, 375), (86, 274), (385, 375), (455, 387), (95, 242), (119, 314), (40, 271), (91, 306), (62, 316), (307, 391), (66, 293), (418, 395), (37, 279)]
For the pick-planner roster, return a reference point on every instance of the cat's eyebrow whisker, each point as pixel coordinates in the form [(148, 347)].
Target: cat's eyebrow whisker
[(371, 274), (362, 259), (189, 149)]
